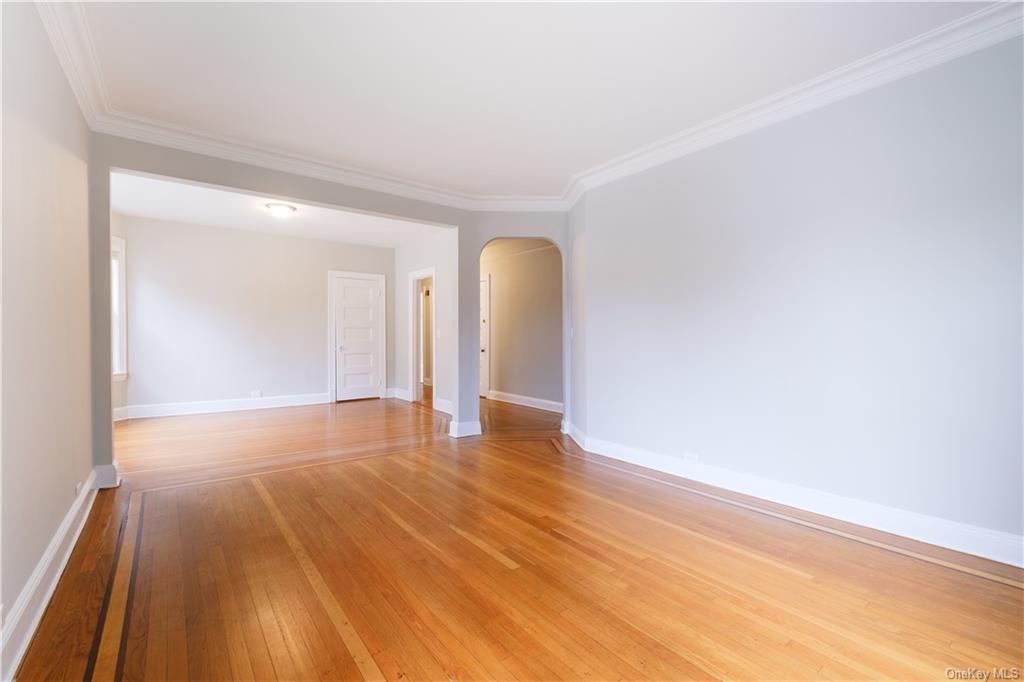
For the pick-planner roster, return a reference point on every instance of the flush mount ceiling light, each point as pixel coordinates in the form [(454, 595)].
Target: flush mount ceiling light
[(279, 210)]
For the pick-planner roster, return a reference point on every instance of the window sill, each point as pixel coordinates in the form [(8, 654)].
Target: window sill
[(119, 376)]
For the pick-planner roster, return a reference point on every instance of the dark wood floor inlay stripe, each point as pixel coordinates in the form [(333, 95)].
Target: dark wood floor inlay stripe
[(97, 635), (357, 541)]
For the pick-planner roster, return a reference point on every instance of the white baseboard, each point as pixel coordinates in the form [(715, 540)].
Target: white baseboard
[(207, 406), (20, 623), (984, 542), (575, 433), (400, 393), (525, 400), (460, 429), (428, 382), (440, 404), (107, 475)]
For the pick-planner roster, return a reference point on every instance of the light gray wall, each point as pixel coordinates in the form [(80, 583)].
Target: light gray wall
[(46, 375), (475, 229), (484, 227), (440, 252), (833, 301), (215, 313), (526, 317), (578, 267), (107, 152)]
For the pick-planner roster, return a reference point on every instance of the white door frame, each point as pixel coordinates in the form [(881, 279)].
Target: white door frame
[(332, 342), (415, 277)]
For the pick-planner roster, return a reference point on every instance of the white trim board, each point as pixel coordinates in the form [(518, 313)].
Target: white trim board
[(208, 406), (976, 31), (440, 404), (525, 400), (984, 542), (400, 393), (69, 33), (461, 429), (68, 29), (21, 621), (107, 475)]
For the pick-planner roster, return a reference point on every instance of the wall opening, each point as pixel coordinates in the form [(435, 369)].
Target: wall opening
[(422, 336), (521, 329)]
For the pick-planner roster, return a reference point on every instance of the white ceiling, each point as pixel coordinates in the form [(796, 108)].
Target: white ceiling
[(478, 101), (164, 199)]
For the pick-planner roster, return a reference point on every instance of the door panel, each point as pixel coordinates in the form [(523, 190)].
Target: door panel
[(358, 319)]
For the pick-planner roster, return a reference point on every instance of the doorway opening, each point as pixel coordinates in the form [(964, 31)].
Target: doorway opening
[(422, 335), (221, 302), (521, 329)]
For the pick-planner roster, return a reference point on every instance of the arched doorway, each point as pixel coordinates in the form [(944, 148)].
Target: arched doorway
[(521, 335)]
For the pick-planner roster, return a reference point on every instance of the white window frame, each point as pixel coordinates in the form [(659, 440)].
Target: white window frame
[(119, 327)]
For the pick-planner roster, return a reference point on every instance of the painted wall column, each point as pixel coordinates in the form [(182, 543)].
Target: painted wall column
[(482, 228)]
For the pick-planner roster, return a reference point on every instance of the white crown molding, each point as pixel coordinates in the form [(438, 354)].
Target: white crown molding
[(69, 33), (132, 127), (68, 30), (970, 33)]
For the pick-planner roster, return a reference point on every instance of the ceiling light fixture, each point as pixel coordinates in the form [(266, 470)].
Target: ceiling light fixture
[(281, 210)]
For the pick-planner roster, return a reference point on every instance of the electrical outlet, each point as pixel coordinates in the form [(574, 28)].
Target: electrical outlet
[(691, 457), (255, 393)]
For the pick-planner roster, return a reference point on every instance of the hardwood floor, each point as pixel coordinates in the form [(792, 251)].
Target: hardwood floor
[(358, 541), (171, 451)]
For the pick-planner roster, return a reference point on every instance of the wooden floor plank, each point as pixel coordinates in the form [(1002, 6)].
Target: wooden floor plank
[(357, 541), (367, 667)]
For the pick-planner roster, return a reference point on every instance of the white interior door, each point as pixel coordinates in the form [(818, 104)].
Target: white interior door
[(359, 369), (485, 337)]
